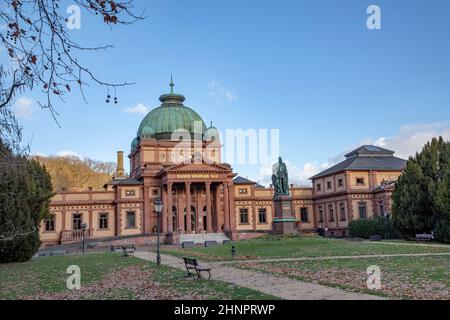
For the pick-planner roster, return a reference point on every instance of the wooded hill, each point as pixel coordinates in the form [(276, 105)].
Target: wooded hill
[(72, 173)]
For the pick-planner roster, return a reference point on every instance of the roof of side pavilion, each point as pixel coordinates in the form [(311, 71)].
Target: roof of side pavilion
[(366, 157)]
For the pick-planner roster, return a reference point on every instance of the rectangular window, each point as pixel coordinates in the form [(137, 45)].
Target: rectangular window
[(50, 223), (362, 210), (360, 181), (103, 223), (243, 191), (329, 186), (131, 220), (319, 187), (243, 216), (130, 193), (262, 215), (340, 182), (331, 212), (77, 221), (343, 218), (304, 214)]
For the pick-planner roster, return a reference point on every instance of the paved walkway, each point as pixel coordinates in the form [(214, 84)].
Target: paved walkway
[(437, 245), (339, 257), (282, 287)]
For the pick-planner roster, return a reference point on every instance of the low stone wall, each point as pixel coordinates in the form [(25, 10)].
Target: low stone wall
[(250, 235)]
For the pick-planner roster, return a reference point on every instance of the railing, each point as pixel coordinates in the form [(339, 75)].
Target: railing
[(76, 235)]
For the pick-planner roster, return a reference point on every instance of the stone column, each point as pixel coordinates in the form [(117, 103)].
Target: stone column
[(164, 211), (232, 208), (180, 213), (217, 197), (208, 207), (63, 220), (188, 207), (148, 209), (169, 208), (91, 221), (226, 207)]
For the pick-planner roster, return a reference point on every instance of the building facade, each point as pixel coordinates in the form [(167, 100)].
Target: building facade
[(176, 158)]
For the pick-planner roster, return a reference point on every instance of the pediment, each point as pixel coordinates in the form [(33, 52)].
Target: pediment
[(194, 167)]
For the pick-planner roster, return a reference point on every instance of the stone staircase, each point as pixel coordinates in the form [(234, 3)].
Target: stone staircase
[(202, 237)]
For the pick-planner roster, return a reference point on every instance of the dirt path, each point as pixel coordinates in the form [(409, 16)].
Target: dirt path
[(282, 287)]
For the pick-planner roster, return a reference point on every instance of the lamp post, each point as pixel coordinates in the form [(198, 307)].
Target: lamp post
[(387, 233), (83, 228), (158, 209)]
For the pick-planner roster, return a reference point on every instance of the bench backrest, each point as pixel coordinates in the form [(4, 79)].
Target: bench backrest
[(424, 236), (190, 261)]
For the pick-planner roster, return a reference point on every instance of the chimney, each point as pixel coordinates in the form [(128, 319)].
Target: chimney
[(120, 172)]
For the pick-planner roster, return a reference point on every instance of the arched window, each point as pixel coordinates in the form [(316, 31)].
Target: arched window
[(320, 214)]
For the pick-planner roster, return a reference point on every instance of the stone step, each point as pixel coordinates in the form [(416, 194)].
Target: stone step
[(201, 238)]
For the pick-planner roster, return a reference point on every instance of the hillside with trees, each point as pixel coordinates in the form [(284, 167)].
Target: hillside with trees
[(72, 173)]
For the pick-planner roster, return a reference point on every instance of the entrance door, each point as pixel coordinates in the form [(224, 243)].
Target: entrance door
[(204, 224), (76, 221)]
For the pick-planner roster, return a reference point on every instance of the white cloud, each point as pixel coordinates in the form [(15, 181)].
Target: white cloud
[(24, 107), (220, 93), (411, 138), (406, 142), (140, 108), (69, 153)]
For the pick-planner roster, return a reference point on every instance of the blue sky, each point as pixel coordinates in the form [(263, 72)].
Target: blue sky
[(309, 68)]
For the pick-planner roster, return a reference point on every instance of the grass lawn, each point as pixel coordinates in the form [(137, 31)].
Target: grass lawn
[(293, 247), (110, 276), (401, 277)]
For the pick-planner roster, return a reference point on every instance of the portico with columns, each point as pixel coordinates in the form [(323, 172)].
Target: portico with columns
[(197, 198)]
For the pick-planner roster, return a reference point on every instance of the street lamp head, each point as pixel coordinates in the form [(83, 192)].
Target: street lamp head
[(83, 226), (158, 205)]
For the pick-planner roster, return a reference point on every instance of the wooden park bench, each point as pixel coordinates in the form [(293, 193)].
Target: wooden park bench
[(424, 237), (192, 264), (58, 253), (375, 237), (128, 250)]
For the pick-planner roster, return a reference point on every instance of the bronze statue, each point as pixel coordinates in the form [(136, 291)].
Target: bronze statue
[(280, 178)]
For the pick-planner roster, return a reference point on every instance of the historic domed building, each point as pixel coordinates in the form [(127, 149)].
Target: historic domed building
[(175, 157)]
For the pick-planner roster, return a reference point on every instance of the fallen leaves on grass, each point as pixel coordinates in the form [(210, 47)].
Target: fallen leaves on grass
[(133, 282), (394, 284)]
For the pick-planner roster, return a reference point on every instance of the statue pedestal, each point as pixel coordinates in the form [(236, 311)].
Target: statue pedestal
[(284, 220)]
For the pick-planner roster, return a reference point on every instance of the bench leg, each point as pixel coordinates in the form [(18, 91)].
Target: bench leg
[(188, 272), (199, 275)]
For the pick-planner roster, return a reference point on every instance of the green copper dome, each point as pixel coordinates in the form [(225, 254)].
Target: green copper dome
[(134, 144), (172, 115)]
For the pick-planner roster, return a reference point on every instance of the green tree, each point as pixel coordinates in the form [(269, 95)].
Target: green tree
[(421, 199), (25, 194)]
